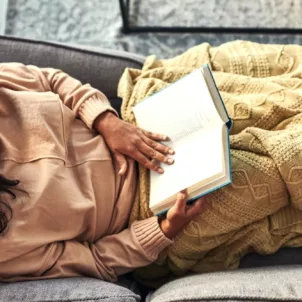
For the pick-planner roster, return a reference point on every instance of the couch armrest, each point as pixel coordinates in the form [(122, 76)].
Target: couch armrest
[(100, 67)]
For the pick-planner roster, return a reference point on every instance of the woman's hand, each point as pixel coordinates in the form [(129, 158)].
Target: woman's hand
[(125, 139), (181, 214)]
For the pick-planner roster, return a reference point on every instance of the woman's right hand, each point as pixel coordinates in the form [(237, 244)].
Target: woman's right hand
[(125, 139), (181, 214)]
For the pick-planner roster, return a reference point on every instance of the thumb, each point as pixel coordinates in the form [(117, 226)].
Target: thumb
[(181, 200), (122, 162)]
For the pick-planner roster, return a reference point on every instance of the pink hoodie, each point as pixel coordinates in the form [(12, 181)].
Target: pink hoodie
[(71, 220)]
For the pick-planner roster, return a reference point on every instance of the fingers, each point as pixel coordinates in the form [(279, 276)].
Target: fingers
[(149, 152), (181, 214), (154, 150), (196, 208), (181, 201), (155, 136), (145, 161), (151, 139), (153, 154), (158, 146)]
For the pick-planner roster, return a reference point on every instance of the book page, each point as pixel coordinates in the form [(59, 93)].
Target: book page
[(180, 109), (197, 157)]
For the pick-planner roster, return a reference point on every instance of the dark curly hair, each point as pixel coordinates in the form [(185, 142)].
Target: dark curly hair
[(6, 212)]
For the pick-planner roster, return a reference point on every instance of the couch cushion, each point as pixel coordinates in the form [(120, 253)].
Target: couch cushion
[(262, 284), (102, 68), (71, 289), (116, 103)]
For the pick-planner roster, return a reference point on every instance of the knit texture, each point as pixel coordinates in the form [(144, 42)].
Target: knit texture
[(261, 86)]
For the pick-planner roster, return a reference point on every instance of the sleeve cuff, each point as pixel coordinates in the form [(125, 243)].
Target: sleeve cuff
[(93, 107), (150, 236)]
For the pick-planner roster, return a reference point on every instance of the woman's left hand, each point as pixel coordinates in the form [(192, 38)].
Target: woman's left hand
[(125, 139)]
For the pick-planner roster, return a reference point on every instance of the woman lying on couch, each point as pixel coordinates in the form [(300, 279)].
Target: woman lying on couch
[(68, 180)]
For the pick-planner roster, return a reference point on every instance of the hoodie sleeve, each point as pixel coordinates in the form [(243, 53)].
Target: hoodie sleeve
[(85, 101), (106, 259)]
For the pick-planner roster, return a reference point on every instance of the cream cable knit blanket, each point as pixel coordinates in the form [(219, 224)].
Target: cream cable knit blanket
[(260, 211)]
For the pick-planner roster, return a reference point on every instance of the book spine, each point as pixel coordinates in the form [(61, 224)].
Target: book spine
[(229, 123)]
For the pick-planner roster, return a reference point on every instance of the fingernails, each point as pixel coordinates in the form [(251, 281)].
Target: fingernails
[(164, 137), (170, 161), (171, 151), (160, 170)]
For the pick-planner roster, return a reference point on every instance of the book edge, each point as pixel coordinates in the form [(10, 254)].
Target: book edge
[(200, 195), (229, 123)]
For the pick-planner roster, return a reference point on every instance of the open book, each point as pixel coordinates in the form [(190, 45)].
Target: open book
[(191, 113)]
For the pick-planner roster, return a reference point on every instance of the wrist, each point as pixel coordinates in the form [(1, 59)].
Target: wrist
[(104, 120), (166, 228)]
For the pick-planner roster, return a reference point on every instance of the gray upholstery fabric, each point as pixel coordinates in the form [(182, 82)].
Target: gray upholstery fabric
[(285, 256), (71, 290), (116, 103), (102, 68), (263, 284)]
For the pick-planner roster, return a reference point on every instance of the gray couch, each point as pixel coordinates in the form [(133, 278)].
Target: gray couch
[(260, 278)]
